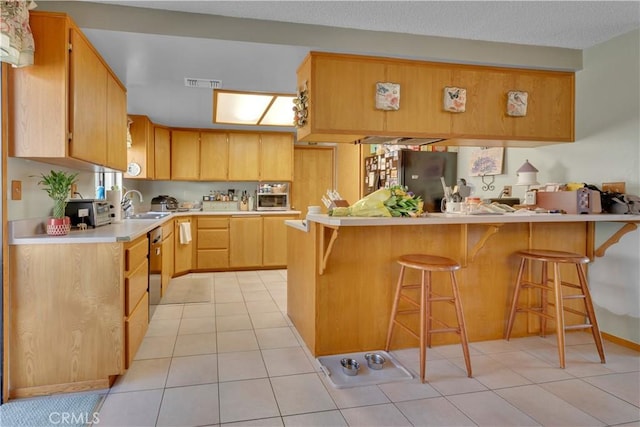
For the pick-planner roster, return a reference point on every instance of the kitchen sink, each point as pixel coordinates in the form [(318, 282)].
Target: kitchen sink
[(150, 215)]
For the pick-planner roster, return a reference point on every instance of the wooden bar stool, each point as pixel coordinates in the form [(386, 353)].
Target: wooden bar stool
[(428, 264), (555, 258)]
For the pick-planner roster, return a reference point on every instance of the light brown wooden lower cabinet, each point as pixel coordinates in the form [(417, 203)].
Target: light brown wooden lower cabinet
[(212, 243), (136, 301), (66, 317), (274, 240), (245, 233)]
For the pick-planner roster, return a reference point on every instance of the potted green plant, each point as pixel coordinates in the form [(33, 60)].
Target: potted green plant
[(58, 184)]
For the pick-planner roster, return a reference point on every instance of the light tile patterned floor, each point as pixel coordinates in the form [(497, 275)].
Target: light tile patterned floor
[(238, 360)]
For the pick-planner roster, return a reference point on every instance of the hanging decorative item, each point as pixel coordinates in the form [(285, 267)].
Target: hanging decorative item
[(455, 99), (16, 40), (387, 96), (129, 138), (301, 106), (517, 103)]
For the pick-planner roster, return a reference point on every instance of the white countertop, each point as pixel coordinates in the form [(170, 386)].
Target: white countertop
[(441, 218), (31, 231)]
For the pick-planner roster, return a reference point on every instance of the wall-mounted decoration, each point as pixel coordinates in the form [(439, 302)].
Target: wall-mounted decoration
[(455, 99), (301, 106), (486, 161), (517, 103), (387, 96)]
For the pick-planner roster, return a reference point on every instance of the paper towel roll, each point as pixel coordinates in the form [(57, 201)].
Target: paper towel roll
[(114, 197)]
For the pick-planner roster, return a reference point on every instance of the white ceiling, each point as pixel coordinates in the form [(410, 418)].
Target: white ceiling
[(153, 66), (568, 24)]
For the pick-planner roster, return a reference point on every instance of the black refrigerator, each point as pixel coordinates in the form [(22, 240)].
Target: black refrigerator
[(420, 171)]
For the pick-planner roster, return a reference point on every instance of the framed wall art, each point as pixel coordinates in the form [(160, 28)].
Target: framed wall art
[(517, 103), (455, 99), (387, 96)]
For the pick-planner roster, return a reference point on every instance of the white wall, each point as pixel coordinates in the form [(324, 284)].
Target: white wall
[(35, 203), (607, 148)]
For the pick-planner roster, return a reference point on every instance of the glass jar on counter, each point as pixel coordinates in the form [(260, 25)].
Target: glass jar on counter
[(471, 204)]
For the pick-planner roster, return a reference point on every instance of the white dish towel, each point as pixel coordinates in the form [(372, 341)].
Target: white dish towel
[(185, 233)]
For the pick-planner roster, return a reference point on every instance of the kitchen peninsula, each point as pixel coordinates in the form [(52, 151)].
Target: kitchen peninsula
[(342, 270)]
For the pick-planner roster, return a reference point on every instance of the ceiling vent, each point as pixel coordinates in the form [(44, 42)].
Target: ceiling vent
[(202, 83)]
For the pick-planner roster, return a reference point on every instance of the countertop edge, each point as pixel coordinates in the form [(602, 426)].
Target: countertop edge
[(440, 218), (31, 231)]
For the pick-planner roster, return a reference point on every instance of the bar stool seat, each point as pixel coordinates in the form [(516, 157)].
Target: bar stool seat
[(555, 285), (428, 264)]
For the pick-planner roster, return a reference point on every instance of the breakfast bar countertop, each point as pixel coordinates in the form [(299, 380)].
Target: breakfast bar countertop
[(442, 218)]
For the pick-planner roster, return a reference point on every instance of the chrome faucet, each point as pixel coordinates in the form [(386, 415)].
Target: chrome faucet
[(127, 206)]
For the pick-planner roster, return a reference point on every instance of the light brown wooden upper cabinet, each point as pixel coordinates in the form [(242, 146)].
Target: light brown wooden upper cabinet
[(214, 156), (185, 155), (550, 111), (69, 108), (485, 112), (276, 157), (162, 152), (342, 89), (419, 113), (244, 156), (142, 147), (116, 125)]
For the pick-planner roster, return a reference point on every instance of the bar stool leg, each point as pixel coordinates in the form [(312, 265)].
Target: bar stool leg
[(394, 309), (514, 303), (557, 290), (461, 323), (425, 286), (591, 314), (544, 299)]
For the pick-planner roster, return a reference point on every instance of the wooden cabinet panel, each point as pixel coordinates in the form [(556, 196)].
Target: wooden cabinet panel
[(212, 259), (313, 174), (341, 91), (168, 241), (421, 91), (276, 157), (485, 114), (162, 152), (213, 222), (136, 284), (41, 128), (214, 156), (68, 108), (183, 253), (67, 330), (343, 94), (88, 92), (185, 155), (136, 327), (142, 147), (274, 241), (550, 109), (116, 125), (213, 239), (245, 246), (135, 253), (244, 156)]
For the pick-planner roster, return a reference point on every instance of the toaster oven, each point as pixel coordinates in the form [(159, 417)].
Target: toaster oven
[(94, 213)]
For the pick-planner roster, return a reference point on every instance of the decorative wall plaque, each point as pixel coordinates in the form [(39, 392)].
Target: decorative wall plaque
[(387, 96), (301, 106), (455, 99), (517, 103)]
